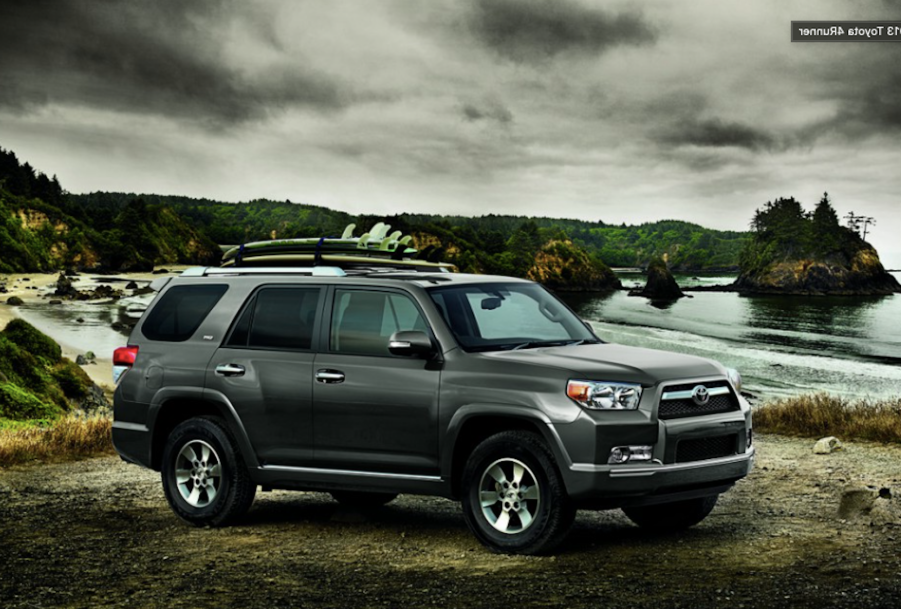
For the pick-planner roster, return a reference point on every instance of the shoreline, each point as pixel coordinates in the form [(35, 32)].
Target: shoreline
[(23, 284)]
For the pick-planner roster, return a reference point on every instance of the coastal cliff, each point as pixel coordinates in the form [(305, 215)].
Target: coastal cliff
[(793, 252), (562, 266)]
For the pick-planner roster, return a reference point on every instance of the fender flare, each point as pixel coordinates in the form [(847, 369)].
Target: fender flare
[(511, 411), (216, 399)]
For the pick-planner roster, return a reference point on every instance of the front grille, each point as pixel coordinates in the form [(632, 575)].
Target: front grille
[(699, 449), (686, 407)]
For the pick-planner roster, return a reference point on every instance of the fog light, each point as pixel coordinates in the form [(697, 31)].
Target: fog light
[(629, 454)]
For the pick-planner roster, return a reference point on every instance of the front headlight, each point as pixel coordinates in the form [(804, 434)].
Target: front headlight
[(734, 378), (598, 395)]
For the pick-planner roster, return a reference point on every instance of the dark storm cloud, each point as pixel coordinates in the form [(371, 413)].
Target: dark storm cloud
[(867, 99), (716, 133), (166, 57), (536, 30), (494, 112)]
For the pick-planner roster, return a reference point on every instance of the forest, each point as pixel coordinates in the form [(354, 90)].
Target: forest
[(44, 227)]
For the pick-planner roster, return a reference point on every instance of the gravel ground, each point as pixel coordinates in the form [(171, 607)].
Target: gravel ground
[(99, 533)]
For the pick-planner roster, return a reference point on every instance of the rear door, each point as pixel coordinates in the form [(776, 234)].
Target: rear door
[(265, 368), (374, 411)]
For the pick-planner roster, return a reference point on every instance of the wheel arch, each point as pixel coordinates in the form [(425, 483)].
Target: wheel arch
[(173, 406), (472, 425)]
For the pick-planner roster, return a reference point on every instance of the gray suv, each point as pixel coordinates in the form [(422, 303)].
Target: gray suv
[(366, 384)]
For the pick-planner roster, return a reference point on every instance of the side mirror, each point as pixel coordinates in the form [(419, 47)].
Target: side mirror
[(411, 343)]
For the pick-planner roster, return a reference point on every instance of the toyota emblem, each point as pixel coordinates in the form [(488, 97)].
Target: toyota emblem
[(699, 395)]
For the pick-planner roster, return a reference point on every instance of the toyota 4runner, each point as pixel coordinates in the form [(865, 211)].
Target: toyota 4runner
[(367, 384)]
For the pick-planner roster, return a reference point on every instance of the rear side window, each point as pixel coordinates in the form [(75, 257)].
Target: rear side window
[(277, 318), (180, 312)]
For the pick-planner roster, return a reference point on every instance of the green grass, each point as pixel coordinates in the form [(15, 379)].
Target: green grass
[(819, 415)]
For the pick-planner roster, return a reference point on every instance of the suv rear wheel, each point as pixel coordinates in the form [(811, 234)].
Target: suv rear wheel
[(673, 516), (514, 500), (204, 477)]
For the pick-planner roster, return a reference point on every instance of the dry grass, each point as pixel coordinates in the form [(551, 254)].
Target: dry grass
[(66, 438), (821, 415)]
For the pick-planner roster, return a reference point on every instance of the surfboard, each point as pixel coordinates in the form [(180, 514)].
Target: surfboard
[(342, 260), (376, 240)]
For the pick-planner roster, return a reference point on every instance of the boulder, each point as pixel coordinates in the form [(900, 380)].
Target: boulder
[(660, 284), (64, 287), (81, 360), (827, 445), (14, 301), (857, 502), (131, 285), (55, 301)]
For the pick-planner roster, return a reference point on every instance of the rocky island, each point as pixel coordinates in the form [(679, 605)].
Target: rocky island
[(795, 252), (661, 284)]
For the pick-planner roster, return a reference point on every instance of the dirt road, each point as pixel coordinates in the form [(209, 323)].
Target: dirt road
[(99, 533)]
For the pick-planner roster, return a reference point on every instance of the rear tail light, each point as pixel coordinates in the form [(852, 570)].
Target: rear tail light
[(123, 359)]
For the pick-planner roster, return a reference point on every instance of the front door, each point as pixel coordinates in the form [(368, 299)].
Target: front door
[(265, 368), (374, 411)]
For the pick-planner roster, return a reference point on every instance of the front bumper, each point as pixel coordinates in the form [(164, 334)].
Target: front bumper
[(609, 486)]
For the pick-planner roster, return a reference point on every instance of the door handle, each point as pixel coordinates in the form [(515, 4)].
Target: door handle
[(329, 376), (230, 370)]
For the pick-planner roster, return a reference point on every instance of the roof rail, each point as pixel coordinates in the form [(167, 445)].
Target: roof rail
[(315, 271)]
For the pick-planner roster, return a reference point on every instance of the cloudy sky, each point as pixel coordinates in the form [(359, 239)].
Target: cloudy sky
[(613, 111)]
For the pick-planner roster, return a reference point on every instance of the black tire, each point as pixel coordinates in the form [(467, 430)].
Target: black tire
[(199, 493), (675, 516), (362, 499), (538, 511)]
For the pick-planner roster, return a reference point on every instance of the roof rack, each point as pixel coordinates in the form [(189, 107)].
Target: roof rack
[(315, 271)]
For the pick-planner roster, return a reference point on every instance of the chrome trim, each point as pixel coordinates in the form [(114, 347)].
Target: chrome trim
[(687, 394), (126, 426), (315, 271), (626, 471), (230, 370), (348, 472), (329, 375)]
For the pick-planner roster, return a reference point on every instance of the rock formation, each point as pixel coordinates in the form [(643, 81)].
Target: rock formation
[(660, 284)]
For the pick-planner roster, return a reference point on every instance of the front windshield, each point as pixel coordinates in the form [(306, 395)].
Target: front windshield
[(493, 316)]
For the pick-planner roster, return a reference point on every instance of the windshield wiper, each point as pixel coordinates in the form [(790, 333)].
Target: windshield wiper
[(539, 343)]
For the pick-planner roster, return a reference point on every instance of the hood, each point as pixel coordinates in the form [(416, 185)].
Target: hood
[(608, 362)]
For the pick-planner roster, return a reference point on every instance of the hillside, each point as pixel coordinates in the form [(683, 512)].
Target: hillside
[(41, 229), (795, 252), (46, 228), (686, 246)]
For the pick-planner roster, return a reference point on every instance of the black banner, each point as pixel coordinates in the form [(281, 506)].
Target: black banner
[(846, 31)]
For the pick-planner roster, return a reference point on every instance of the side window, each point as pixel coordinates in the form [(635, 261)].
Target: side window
[(180, 311), (277, 318), (363, 321)]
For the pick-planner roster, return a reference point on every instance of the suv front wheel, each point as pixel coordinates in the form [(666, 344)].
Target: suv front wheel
[(514, 500), (204, 477)]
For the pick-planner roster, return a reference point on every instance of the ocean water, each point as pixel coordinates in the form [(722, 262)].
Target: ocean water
[(782, 345)]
